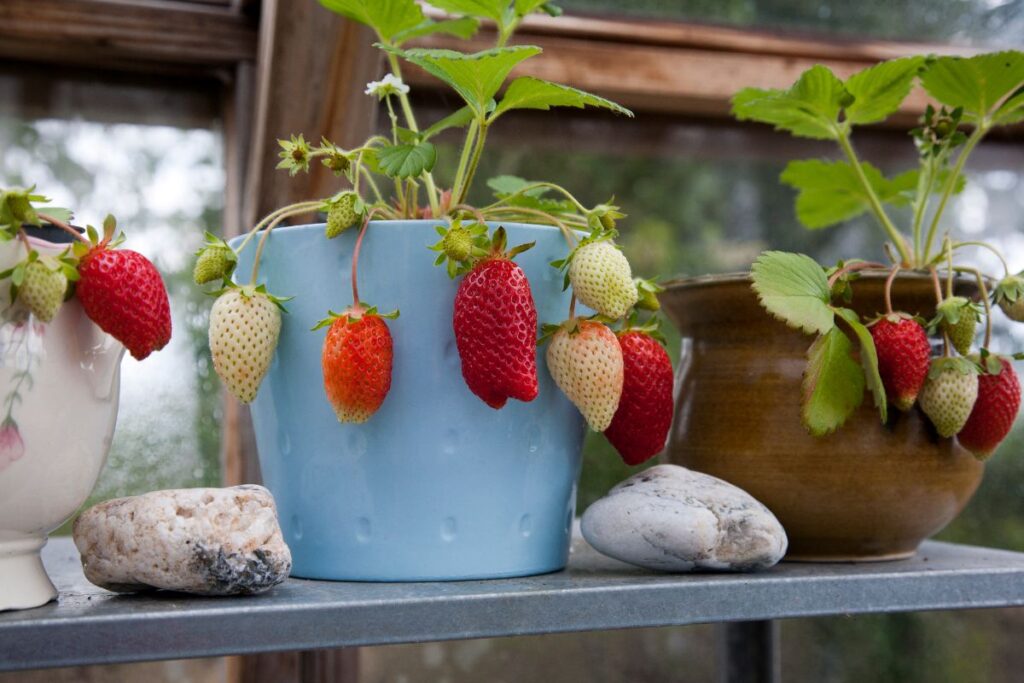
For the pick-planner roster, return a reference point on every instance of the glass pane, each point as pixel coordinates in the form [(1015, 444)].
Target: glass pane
[(165, 186), (976, 22)]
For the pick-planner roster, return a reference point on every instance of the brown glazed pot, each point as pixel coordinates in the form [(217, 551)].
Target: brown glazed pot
[(867, 492)]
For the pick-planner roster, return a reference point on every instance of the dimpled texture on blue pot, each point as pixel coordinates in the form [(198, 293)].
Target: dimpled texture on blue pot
[(436, 485)]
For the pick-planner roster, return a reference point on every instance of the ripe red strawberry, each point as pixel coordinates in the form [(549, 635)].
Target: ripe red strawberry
[(121, 291), (356, 360), (641, 423), (495, 324), (903, 357), (994, 411)]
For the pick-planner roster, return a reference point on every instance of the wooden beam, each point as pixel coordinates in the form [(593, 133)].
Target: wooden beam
[(127, 34), (316, 92)]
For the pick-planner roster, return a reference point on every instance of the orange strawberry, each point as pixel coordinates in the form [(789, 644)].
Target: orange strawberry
[(357, 359), (585, 359)]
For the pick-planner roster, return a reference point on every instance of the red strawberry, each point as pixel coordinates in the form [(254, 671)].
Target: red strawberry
[(356, 360), (903, 357), (121, 291), (641, 423), (496, 327), (994, 412)]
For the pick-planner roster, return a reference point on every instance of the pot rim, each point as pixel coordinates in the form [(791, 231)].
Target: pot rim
[(709, 280), (305, 227)]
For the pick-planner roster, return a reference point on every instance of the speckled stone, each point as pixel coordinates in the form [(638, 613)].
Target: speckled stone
[(672, 519), (204, 541)]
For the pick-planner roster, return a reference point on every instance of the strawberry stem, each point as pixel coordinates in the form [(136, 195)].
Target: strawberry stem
[(1006, 267), (296, 210), (355, 254), (24, 240), (852, 268), (63, 226), (947, 246), (310, 205), (938, 300), (888, 288), (572, 307)]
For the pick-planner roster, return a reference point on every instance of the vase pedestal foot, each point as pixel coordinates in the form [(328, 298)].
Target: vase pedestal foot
[(25, 584)]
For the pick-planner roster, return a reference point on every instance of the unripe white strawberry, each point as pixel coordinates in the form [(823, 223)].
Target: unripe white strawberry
[(601, 278), (949, 394), (244, 326), (585, 359), (42, 290)]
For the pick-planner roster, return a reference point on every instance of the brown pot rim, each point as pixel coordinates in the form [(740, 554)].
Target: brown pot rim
[(710, 280)]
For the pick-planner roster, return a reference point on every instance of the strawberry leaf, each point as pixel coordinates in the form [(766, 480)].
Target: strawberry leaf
[(830, 192), (868, 360), (463, 27), (535, 93), (978, 84), (407, 160), (833, 385), (879, 90), (458, 119), (810, 108), (476, 77), (388, 18), (794, 289)]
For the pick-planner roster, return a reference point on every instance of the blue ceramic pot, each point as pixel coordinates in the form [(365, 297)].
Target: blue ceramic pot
[(437, 485)]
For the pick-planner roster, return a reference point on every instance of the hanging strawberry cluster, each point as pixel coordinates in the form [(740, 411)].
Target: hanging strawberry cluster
[(971, 394), (120, 290)]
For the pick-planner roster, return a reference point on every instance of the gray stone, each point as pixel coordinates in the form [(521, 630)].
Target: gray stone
[(672, 519), (204, 541)]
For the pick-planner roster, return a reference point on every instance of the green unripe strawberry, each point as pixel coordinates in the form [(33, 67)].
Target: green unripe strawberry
[(215, 262), (1009, 295), (958, 318), (342, 214), (602, 279), (42, 290), (948, 395)]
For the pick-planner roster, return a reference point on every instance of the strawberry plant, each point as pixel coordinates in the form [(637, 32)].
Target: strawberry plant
[(391, 176), (890, 356)]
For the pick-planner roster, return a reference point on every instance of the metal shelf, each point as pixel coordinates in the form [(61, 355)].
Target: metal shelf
[(89, 625)]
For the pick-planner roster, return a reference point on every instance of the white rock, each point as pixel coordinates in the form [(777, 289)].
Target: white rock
[(672, 519), (205, 541)]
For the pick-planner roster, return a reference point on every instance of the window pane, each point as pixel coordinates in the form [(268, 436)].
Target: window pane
[(977, 22), (165, 186)]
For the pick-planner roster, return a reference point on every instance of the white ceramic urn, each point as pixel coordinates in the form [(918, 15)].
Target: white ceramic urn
[(59, 385)]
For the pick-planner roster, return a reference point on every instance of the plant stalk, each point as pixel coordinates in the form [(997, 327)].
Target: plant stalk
[(876, 204), (63, 226), (947, 191)]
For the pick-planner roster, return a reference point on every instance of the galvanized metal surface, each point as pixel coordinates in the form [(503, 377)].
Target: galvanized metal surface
[(89, 625)]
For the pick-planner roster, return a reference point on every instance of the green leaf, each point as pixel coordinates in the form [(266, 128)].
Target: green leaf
[(504, 185), (476, 77), (879, 90), (833, 385), (485, 9), (977, 83), (457, 119), (794, 289), (868, 360), (1012, 111), (809, 109), (407, 161), (524, 7), (534, 93), (830, 192), (389, 18), (463, 27)]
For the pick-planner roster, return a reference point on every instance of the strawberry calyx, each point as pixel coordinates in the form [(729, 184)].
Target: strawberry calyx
[(895, 318), (951, 310), (964, 366), (1009, 289), (652, 327), (466, 246), (249, 291), (604, 216), (992, 363), (353, 314)]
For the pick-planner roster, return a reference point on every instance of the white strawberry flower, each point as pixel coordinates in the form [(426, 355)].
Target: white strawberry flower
[(389, 85)]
